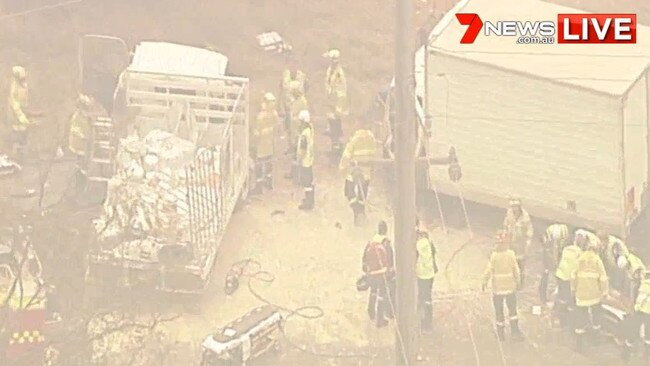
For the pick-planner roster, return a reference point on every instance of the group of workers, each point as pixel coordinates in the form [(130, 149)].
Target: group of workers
[(292, 111), (595, 273), (21, 118)]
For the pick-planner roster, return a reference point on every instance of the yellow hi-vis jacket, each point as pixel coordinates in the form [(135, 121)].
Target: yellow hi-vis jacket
[(296, 105), (642, 304), (520, 230), (264, 131), (300, 77), (337, 89), (636, 264), (305, 147), (568, 262), (18, 95), (504, 271), (424, 268), (589, 282), (79, 130), (361, 147)]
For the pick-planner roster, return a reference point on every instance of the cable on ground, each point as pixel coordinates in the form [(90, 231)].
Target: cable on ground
[(252, 270)]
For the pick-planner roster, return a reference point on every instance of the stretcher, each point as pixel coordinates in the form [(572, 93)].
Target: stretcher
[(245, 339)]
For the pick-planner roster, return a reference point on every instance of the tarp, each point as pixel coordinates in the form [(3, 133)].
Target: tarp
[(177, 59), (608, 68)]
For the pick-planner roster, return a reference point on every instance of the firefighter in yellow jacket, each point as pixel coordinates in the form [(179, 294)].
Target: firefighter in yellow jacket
[(263, 136), (80, 125), (503, 271), (292, 78), (297, 103), (360, 149), (305, 158), (568, 264), (590, 286), (641, 317), (336, 88), (519, 228), (17, 115)]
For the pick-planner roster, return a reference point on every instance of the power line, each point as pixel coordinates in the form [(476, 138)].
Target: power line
[(40, 9)]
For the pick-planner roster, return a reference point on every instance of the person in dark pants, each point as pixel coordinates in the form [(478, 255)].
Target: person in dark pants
[(565, 302), (640, 318), (375, 267), (504, 272), (553, 242), (382, 231), (425, 270), (590, 286)]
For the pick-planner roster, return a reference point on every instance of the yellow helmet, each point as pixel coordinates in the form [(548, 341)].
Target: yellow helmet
[(333, 54), (269, 97)]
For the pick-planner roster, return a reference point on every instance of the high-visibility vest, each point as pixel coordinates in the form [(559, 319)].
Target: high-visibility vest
[(79, 129), (264, 131), (520, 230), (18, 95), (642, 304), (361, 147), (300, 77), (504, 271), (296, 106), (337, 90), (424, 268), (305, 147), (589, 282), (636, 264), (568, 262)]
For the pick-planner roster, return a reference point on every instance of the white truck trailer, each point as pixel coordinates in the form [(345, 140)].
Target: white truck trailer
[(181, 166), (564, 127)]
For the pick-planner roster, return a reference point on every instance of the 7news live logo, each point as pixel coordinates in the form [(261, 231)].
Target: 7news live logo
[(569, 28)]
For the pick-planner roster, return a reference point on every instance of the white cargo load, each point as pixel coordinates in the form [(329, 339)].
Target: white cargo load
[(564, 127)]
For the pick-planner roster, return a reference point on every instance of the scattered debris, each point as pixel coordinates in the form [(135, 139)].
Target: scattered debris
[(338, 225), (277, 212), (8, 166), (273, 42)]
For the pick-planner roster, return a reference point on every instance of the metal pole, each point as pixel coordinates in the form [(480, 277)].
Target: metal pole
[(405, 252)]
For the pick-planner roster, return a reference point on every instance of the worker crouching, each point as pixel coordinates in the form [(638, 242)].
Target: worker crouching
[(361, 148), (305, 159), (503, 271), (589, 285), (263, 138)]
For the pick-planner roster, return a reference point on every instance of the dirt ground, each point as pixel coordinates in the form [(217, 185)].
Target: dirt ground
[(315, 257)]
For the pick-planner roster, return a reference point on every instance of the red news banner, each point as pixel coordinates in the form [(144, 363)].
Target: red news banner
[(596, 28)]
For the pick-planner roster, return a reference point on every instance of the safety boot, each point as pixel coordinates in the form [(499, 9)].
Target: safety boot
[(517, 334), (308, 201)]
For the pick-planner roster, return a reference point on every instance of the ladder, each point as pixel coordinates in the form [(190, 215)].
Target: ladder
[(101, 150)]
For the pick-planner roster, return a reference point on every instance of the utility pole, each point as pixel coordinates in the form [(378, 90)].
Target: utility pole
[(404, 132)]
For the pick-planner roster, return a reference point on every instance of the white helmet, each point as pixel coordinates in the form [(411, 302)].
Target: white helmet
[(85, 100), (332, 54), (622, 262), (19, 72), (304, 116), (269, 97)]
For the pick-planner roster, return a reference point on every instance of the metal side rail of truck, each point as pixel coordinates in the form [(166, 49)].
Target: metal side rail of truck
[(181, 166)]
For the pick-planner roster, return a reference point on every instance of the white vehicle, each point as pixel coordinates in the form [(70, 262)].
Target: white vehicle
[(181, 166), (563, 127)]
